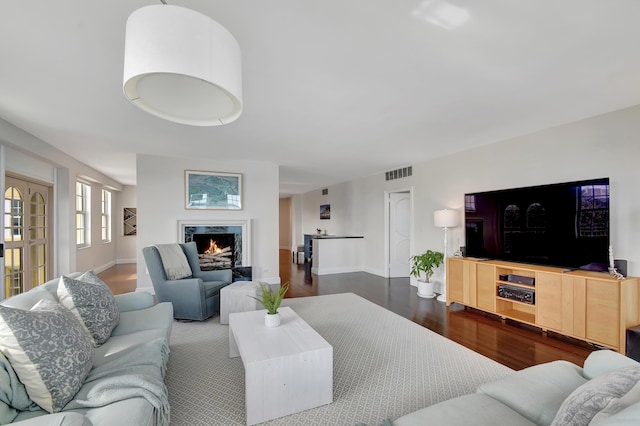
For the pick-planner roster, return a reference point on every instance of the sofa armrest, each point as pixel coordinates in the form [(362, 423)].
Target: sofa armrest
[(604, 361), (187, 296), (224, 275), (134, 301), (57, 419)]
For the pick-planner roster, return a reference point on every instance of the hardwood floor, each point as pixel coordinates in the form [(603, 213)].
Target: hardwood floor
[(510, 344)]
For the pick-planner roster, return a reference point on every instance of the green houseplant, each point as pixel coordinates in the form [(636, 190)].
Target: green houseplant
[(271, 301), (424, 264)]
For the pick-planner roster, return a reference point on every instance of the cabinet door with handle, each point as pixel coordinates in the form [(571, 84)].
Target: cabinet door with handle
[(486, 287), (603, 311), (549, 305)]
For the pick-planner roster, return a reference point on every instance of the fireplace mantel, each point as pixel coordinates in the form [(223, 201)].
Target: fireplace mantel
[(240, 227)]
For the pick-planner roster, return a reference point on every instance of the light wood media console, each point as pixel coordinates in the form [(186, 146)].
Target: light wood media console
[(591, 306)]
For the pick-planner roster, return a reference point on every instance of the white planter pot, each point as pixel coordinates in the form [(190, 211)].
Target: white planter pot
[(425, 289), (272, 320)]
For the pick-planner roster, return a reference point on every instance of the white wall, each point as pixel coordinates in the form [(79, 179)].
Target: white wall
[(28, 156), (160, 202), (338, 199), (603, 146)]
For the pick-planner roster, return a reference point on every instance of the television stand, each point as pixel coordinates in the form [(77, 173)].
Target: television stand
[(592, 306)]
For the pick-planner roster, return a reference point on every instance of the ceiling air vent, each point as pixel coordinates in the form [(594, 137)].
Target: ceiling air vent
[(399, 173)]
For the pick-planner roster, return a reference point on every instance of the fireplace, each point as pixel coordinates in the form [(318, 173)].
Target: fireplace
[(215, 251), (221, 244)]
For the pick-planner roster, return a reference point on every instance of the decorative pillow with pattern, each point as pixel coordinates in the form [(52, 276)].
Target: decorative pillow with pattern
[(48, 349), (91, 301), (605, 394)]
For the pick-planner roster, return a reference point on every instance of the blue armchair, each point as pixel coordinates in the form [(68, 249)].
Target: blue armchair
[(194, 298)]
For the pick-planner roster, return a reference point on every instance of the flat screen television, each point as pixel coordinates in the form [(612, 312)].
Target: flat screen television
[(563, 224)]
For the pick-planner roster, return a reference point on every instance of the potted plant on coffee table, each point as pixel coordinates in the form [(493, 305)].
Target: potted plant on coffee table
[(424, 264), (271, 301)]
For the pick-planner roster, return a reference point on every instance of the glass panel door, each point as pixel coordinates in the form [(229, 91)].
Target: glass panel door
[(38, 260), (13, 239), (26, 235)]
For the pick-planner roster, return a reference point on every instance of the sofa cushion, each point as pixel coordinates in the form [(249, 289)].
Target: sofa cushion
[(156, 317), (475, 409), (626, 417), (536, 392), (49, 351), (29, 299), (604, 395), (118, 346), (91, 301), (603, 361)]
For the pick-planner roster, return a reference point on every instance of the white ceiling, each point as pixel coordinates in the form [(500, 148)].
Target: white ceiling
[(333, 89)]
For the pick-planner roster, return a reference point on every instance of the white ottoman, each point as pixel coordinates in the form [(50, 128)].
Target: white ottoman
[(236, 298)]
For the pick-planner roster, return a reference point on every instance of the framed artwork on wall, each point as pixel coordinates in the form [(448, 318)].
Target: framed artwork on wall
[(325, 211), (130, 221), (212, 190)]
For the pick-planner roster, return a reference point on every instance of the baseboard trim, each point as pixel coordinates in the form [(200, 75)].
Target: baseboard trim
[(103, 268)]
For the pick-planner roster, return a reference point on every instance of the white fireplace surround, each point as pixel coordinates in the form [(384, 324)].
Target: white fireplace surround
[(244, 224)]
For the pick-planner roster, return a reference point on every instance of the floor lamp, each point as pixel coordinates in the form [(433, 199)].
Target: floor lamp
[(445, 219)]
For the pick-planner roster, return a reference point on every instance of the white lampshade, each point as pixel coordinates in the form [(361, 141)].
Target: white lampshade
[(446, 218), (182, 66)]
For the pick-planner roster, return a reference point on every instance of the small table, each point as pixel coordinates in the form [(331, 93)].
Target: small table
[(236, 297), (287, 369)]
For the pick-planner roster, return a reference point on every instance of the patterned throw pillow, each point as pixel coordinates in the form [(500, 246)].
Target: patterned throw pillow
[(602, 394), (91, 301), (49, 351)]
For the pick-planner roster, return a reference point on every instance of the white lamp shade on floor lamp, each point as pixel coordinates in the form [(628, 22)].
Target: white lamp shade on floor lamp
[(182, 66), (445, 219)]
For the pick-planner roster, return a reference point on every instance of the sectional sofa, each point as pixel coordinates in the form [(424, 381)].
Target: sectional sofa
[(605, 392), (71, 353)]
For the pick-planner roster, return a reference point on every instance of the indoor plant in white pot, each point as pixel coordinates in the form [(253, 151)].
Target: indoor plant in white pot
[(271, 301), (425, 263)]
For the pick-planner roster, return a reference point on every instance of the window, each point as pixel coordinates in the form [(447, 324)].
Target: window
[(536, 217), (106, 216), (469, 203), (594, 211), (83, 214), (512, 217)]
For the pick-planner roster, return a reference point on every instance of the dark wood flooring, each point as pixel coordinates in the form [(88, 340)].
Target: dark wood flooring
[(508, 343)]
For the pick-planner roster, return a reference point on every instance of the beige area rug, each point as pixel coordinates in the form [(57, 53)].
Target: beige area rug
[(385, 366)]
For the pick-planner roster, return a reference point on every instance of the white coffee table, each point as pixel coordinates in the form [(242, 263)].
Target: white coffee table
[(287, 368)]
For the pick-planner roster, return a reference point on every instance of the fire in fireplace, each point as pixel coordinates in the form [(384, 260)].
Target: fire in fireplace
[(215, 251)]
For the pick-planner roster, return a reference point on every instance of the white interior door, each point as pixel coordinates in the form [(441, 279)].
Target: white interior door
[(399, 234)]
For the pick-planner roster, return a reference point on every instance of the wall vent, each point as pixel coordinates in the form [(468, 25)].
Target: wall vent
[(399, 173), (325, 191)]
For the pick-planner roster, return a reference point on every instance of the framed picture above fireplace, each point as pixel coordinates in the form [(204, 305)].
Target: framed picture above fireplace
[(212, 190)]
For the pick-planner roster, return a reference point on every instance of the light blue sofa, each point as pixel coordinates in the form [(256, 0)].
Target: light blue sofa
[(605, 392), (193, 298), (141, 321)]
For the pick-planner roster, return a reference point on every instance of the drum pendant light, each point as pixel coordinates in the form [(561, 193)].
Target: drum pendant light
[(182, 66)]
